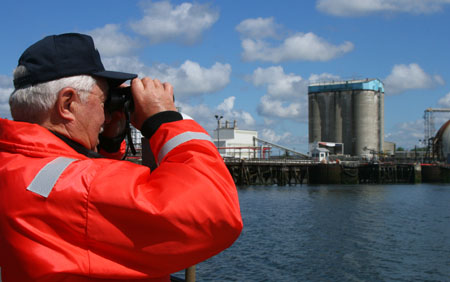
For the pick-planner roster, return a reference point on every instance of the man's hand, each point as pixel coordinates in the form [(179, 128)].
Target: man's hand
[(150, 97)]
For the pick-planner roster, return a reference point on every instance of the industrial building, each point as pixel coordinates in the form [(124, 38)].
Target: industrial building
[(234, 142), (349, 113)]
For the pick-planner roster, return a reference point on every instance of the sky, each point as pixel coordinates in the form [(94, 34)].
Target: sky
[(251, 60)]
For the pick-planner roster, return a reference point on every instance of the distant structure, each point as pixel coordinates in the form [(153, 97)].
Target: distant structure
[(430, 130), (441, 143), (136, 136), (348, 112), (234, 142), (320, 154)]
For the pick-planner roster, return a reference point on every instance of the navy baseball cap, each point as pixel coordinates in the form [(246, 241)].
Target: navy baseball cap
[(64, 55)]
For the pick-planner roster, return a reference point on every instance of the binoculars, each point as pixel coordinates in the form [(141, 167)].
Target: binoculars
[(119, 99)]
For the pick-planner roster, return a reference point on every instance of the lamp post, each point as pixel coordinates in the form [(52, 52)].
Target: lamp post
[(218, 130)]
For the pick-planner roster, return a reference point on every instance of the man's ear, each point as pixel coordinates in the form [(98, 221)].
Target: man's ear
[(66, 103)]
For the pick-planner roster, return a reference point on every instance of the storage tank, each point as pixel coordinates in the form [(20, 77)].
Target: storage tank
[(442, 142), (349, 112)]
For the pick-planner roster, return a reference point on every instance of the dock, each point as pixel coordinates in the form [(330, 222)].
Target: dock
[(297, 172)]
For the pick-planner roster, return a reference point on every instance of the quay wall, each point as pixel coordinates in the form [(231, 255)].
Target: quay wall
[(282, 173)]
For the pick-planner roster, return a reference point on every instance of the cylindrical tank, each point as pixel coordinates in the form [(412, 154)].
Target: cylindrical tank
[(326, 104), (346, 105), (446, 143), (314, 119), (349, 112), (323, 117), (365, 107), (338, 118), (381, 121), (442, 142)]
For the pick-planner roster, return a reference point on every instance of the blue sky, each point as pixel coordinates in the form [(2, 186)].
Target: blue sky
[(252, 61)]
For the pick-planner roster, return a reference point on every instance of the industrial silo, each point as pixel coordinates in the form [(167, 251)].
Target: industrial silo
[(348, 112)]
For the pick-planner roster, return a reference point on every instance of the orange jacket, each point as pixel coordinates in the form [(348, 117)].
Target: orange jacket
[(67, 217)]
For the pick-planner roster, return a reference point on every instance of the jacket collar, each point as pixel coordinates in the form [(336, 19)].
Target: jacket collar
[(78, 147), (36, 141)]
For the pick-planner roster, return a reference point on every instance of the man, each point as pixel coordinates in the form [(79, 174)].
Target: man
[(69, 214)]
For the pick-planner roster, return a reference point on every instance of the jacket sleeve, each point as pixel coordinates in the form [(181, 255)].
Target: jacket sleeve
[(117, 154), (157, 223), (113, 148)]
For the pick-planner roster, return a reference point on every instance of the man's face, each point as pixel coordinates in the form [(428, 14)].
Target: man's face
[(91, 115)]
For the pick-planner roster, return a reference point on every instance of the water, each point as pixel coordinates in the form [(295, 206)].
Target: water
[(338, 233)]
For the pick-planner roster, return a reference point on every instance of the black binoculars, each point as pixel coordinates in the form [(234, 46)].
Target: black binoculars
[(119, 99)]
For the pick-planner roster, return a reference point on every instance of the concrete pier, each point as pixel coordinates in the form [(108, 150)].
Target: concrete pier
[(285, 172)]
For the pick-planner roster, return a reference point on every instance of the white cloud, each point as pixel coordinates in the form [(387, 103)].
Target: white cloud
[(286, 96), (354, 8), (200, 112), (269, 121), (204, 114), (189, 79), (111, 42), (271, 136), (227, 105), (301, 46), (407, 134), (410, 134), (440, 119), (407, 77), (185, 23), (323, 77), (192, 79), (445, 101), (279, 84), (282, 109), (226, 108), (258, 28), (126, 64), (6, 88)]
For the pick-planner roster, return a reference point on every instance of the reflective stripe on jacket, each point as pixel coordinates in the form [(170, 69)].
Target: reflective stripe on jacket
[(65, 217)]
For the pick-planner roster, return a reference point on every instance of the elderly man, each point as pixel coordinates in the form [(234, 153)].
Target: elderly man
[(67, 212)]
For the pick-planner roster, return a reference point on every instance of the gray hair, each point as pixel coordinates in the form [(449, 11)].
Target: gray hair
[(32, 103)]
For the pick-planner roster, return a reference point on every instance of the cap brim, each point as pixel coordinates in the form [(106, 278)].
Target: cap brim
[(115, 78)]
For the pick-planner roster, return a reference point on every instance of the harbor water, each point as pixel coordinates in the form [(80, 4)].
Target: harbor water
[(338, 233)]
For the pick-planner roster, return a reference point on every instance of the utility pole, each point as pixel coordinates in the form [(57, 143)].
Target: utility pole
[(218, 118)]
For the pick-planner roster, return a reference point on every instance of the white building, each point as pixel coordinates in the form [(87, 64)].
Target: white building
[(320, 154), (234, 142)]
